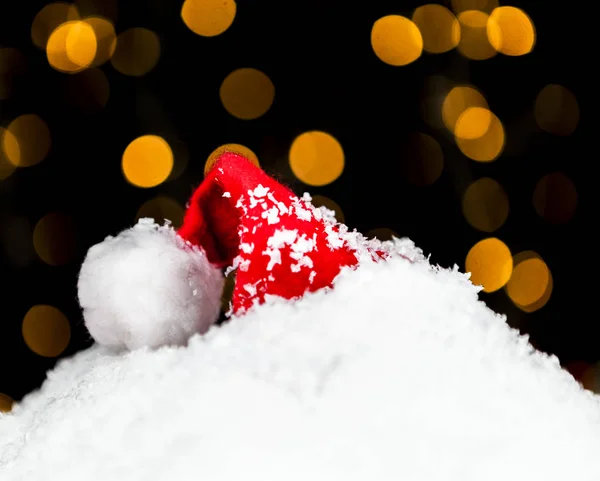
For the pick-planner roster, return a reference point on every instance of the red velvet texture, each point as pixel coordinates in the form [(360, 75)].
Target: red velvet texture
[(243, 217)]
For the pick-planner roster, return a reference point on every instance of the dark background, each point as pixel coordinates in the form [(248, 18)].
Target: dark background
[(326, 76)]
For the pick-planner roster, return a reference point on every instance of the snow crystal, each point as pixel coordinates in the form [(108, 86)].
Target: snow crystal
[(312, 276), (282, 237), (250, 289), (275, 257), (280, 205), (226, 194), (246, 248), (397, 373), (334, 239), (260, 191), (272, 215)]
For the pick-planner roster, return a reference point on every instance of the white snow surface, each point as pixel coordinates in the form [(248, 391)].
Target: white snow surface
[(398, 373)]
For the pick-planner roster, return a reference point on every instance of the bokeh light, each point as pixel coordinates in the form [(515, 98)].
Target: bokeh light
[(474, 43), (382, 234), (485, 205), (510, 31), (106, 39), (88, 90), (396, 40), (482, 5), (137, 52), (46, 330), (55, 239), (162, 208), (49, 19), (247, 93), (458, 100), (490, 263), (488, 146), (316, 158), (72, 47), (438, 26), (28, 142), (530, 285), (235, 148), (555, 198), (6, 166), (556, 110), (322, 201), (147, 161), (422, 159), (208, 18), (6, 403)]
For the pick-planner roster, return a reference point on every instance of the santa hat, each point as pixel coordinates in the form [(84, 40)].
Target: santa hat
[(151, 285)]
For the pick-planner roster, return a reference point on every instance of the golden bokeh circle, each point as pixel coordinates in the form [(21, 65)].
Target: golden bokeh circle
[(485, 148), (106, 39), (486, 6), (438, 26), (459, 99), (208, 18), (485, 205), (46, 330), (247, 93), (54, 239), (147, 161), (137, 52), (236, 149), (474, 43), (510, 31), (396, 40), (162, 208), (49, 18), (316, 158), (490, 263), (556, 110), (530, 284), (27, 141), (7, 167)]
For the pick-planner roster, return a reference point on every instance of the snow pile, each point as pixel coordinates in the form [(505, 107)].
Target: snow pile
[(399, 373)]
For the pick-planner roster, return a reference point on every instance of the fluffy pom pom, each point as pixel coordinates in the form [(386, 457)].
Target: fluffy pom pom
[(148, 287)]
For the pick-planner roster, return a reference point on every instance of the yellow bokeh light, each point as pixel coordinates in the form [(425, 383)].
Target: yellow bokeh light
[(490, 264), (235, 148), (88, 90), (422, 159), (106, 39), (6, 166), (510, 31), (555, 198), (396, 40), (161, 209), (485, 205), (316, 158), (54, 239), (481, 5), (247, 93), (137, 52), (457, 101), (147, 161), (81, 44), (382, 234), (438, 26), (49, 19), (28, 142), (208, 18), (46, 330), (474, 125), (486, 148), (6, 403), (530, 285), (556, 110), (322, 201), (474, 43)]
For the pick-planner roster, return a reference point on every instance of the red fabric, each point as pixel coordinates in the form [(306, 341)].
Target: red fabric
[(224, 216)]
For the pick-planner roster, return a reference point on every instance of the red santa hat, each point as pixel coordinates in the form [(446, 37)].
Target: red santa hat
[(151, 285)]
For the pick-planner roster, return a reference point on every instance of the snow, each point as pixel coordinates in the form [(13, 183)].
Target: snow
[(398, 373)]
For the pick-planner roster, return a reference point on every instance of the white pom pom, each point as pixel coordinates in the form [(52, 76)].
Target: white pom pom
[(148, 287)]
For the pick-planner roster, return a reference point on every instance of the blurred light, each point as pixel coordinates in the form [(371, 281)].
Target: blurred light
[(316, 158), (12, 64), (435, 89), (555, 198), (247, 93), (485, 205), (87, 90), (6, 166), (482, 5), (54, 239), (556, 110), (97, 8), (510, 31), (181, 157), (236, 148), (474, 43), (147, 161), (46, 331), (106, 39), (382, 234), (486, 148), (439, 27), (71, 47), (396, 40), (228, 291), (137, 52), (322, 201), (49, 19), (530, 285), (6, 403), (423, 159), (162, 208), (208, 17), (28, 142), (490, 264), (457, 101)]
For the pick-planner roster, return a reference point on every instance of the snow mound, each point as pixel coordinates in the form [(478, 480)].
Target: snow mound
[(399, 373)]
